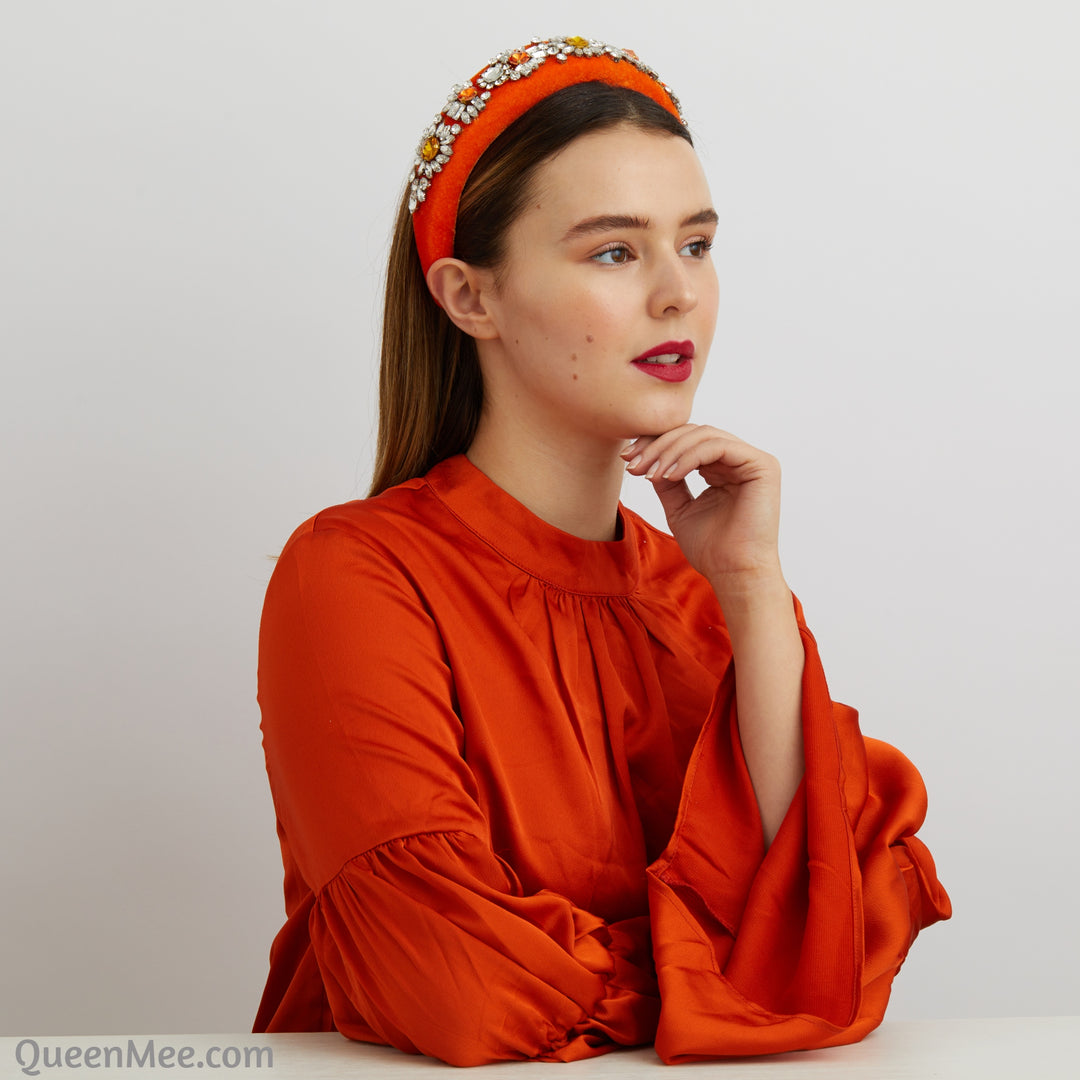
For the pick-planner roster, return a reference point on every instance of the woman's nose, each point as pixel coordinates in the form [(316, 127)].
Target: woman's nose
[(673, 291)]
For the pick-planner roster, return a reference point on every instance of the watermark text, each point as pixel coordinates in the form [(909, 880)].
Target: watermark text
[(33, 1056)]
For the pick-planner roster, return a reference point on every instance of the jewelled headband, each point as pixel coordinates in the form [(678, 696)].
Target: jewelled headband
[(478, 111)]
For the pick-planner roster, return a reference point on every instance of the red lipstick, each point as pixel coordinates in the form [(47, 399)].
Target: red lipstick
[(670, 361)]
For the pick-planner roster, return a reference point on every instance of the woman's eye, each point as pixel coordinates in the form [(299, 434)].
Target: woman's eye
[(613, 256), (698, 248)]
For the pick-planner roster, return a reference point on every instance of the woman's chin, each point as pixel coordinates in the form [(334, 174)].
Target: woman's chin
[(660, 422)]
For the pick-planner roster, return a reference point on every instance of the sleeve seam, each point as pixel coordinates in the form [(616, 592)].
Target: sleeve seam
[(359, 857), (369, 544)]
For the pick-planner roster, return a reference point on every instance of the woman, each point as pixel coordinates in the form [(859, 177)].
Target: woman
[(547, 780)]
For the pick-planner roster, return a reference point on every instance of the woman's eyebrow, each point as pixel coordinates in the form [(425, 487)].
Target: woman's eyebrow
[(609, 222), (708, 216), (605, 223)]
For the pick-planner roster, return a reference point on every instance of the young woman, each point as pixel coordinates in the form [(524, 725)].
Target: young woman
[(547, 780)]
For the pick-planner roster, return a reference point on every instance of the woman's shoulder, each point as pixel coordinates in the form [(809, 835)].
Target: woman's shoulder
[(400, 517), (454, 523)]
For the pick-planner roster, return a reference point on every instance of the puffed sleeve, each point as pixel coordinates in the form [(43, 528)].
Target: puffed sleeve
[(423, 936), (794, 948)]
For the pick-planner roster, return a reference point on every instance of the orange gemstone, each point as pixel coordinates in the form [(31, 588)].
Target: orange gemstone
[(577, 42), (633, 55), (430, 150), (467, 94), (518, 57)]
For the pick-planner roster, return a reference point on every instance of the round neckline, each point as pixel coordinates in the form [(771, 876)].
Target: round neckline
[(557, 558)]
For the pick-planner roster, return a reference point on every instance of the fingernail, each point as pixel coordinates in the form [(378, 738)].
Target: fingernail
[(633, 464), (652, 472), (669, 471)]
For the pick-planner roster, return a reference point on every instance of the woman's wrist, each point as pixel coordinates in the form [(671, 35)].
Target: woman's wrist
[(744, 591)]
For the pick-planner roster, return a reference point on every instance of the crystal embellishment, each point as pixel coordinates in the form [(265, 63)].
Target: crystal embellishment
[(465, 103), (467, 100), (436, 146)]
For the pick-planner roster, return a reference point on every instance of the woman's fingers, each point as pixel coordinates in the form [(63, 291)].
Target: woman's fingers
[(677, 453), (674, 496), (731, 526)]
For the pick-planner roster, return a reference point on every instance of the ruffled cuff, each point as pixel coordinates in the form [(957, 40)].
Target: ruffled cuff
[(428, 944)]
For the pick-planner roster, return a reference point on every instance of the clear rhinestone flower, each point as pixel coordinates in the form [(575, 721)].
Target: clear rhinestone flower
[(436, 146), (465, 103), (561, 48)]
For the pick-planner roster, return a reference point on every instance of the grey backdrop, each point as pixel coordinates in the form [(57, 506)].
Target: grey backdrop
[(195, 199)]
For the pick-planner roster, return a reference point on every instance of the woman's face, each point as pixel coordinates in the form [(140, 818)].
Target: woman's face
[(607, 267)]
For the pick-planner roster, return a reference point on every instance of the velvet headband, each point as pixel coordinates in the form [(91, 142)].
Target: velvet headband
[(478, 111)]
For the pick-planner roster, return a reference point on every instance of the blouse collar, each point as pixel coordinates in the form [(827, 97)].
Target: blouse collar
[(589, 567)]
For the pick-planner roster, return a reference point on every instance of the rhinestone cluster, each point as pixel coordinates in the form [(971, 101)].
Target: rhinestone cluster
[(467, 100)]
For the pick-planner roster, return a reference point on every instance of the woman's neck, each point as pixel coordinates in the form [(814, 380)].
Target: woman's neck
[(576, 490)]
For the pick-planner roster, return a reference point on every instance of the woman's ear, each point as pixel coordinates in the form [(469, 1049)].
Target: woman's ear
[(462, 291)]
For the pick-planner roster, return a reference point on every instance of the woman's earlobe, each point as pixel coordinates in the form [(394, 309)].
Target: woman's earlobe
[(462, 291)]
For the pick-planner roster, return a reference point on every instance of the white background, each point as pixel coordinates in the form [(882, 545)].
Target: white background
[(195, 200)]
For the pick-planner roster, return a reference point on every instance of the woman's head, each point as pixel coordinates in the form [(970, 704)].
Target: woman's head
[(431, 390), (595, 324)]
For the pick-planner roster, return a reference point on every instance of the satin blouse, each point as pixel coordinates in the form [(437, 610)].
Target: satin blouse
[(514, 815)]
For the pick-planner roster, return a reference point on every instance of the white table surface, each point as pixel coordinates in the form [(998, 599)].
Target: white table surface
[(1035, 1048)]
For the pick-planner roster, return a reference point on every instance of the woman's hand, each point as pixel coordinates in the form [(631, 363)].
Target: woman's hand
[(728, 532)]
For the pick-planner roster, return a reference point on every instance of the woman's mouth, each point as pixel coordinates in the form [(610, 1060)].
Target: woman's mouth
[(669, 366), (670, 361)]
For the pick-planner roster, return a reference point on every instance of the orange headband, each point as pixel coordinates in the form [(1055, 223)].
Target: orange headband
[(478, 111)]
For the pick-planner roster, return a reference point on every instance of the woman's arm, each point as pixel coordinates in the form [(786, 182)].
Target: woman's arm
[(768, 657), (423, 936), (795, 947), (729, 533)]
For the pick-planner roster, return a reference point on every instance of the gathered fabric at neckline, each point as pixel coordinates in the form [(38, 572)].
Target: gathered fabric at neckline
[(555, 557)]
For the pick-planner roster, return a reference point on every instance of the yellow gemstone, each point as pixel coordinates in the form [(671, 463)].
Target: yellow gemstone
[(467, 94), (430, 150), (577, 42), (518, 57)]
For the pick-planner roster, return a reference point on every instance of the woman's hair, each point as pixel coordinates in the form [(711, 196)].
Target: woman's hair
[(430, 390)]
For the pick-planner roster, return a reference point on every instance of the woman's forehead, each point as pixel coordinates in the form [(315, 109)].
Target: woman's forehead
[(651, 177)]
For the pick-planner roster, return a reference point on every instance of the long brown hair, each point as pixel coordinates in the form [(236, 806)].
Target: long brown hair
[(430, 390)]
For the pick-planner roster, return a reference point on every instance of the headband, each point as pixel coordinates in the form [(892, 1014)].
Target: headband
[(478, 111)]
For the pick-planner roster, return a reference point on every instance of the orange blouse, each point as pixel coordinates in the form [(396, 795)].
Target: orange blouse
[(513, 811)]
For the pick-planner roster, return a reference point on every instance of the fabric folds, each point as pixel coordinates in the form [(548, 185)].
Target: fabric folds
[(798, 949), (513, 811), (428, 944)]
